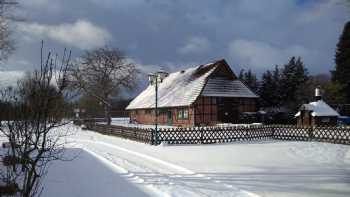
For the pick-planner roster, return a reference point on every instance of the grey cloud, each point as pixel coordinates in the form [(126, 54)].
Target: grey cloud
[(195, 45), (261, 55), (81, 34), (154, 31)]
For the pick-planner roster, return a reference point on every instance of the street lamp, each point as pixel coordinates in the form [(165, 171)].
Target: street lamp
[(154, 79)]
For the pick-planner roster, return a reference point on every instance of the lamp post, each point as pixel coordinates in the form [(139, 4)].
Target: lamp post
[(154, 79)]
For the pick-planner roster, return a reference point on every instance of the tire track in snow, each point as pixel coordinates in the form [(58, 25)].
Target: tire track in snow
[(185, 173), (122, 170), (188, 189)]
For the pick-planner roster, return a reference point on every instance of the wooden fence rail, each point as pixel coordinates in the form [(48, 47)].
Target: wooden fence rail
[(210, 135), (136, 134)]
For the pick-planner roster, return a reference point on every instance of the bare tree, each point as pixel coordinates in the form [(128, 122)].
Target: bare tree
[(102, 73), (32, 125)]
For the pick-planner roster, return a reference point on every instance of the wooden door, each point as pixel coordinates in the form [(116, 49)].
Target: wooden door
[(227, 110)]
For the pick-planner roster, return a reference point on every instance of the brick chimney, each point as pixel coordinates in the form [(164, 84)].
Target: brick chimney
[(318, 94)]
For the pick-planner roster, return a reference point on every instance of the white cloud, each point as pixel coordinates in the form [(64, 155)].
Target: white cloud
[(146, 68), (263, 55), (10, 78), (195, 45), (81, 34)]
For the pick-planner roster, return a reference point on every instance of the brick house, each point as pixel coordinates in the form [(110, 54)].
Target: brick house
[(202, 95)]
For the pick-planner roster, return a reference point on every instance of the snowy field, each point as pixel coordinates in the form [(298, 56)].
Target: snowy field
[(110, 166)]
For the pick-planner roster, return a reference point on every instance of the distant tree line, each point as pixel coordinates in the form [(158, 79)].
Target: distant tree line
[(291, 85), (282, 86)]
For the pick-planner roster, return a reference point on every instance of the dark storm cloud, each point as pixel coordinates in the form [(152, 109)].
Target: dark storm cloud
[(248, 33)]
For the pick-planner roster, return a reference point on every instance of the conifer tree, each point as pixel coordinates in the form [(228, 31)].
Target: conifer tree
[(241, 75), (276, 78), (341, 74), (266, 90), (249, 79), (269, 90), (293, 77)]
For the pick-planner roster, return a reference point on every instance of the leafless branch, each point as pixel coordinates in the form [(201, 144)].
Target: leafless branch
[(102, 73), (33, 123)]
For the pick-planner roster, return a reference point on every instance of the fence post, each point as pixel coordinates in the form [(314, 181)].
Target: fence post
[(154, 138), (246, 132), (201, 135), (310, 132), (135, 134)]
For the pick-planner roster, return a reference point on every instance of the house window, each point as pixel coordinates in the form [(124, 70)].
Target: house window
[(148, 111), (162, 111), (182, 114), (185, 114)]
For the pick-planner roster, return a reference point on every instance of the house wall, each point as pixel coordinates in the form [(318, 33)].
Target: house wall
[(183, 122), (147, 116), (208, 110), (204, 111), (305, 118), (248, 105)]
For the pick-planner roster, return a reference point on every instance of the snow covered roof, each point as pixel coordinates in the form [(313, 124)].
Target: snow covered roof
[(318, 108), (183, 87), (222, 87)]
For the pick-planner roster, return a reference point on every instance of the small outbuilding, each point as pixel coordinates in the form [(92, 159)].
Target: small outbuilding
[(317, 113)]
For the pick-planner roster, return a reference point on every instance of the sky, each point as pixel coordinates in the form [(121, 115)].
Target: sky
[(174, 34)]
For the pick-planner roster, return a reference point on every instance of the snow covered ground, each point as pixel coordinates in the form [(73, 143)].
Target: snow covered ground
[(110, 166)]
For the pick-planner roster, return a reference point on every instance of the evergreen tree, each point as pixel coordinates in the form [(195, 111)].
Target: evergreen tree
[(341, 74), (249, 79), (269, 90), (241, 75), (333, 93), (266, 90), (276, 77), (293, 77)]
